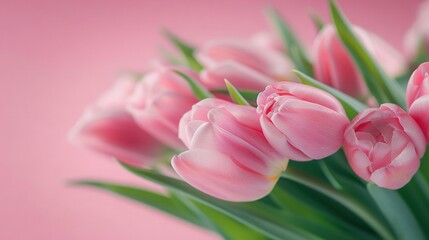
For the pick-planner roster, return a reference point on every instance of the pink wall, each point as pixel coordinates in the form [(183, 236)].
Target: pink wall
[(57, 56)]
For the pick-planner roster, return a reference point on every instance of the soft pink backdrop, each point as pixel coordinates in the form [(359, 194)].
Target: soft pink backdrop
[(57, 56)]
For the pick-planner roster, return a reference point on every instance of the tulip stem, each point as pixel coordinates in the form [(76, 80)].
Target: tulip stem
[(351, 203)]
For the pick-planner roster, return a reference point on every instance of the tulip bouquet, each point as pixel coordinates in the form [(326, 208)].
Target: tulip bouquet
[(257, 140)]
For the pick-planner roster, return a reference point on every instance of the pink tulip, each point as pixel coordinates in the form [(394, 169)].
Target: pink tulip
[(334, 66), (419, 32), (418, 97), (240, 76), (300, 121), (268, 62), (384, 146), (228, 157), (107, 128), (159, 101), (268, 41)]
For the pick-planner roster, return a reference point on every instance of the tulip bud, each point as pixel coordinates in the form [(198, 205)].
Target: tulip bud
[(334, 66), (240, 76), (268, 62), (384, 146), (300, 121), (159, 101), (418, 97), (228, 157), (107, 128), (268, 40)]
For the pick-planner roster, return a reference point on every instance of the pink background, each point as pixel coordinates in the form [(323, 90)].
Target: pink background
[(58, 56)]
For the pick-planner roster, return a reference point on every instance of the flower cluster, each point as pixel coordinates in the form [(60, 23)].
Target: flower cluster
[(237, 152)]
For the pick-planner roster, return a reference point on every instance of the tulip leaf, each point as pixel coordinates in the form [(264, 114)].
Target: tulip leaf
[(246, 94), (317, 21), (422, 54), (295, 205), (152, 199), (261, 217), (415, 194), (235, 94), (397, 213), (185, 49), (291, 44), (351, 105), (355, 206), (199, 91), (170, 204), (383, 88)]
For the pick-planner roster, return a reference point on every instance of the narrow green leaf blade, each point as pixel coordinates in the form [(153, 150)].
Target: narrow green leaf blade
[(260, 217), (317, 21), (248, 95), (149, 198), (380, 85), (294, 49), (397, 213), (236, 95), (185, 49), (199, 91), (351, 105)]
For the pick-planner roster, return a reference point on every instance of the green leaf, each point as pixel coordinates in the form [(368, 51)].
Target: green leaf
[(380, 85), (416, 195), (293, 47), (235, 94), (295, 205), (351, 105), (186, 50), (317, 21), (353, 204), (397, 213), (183, 208), (170, 57), (422, 55), (199, 91), (246, 94), (200, 215), (149, 198), (260, 217)]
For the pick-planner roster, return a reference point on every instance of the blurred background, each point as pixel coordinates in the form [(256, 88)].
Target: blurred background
[(58, 56)]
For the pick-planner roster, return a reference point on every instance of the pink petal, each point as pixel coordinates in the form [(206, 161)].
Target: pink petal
[(217, 174), (400, 171), (241, 76), (419, 111), (115, 134), (280, 142), (315, 130)]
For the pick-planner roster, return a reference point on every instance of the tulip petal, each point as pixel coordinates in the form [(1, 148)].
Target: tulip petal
[(116, 134), (241, 76), (216, 174), (400, 171), (419, 111), (315, 130)]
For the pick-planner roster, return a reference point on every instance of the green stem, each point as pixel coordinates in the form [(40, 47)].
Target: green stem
[(352, 204)]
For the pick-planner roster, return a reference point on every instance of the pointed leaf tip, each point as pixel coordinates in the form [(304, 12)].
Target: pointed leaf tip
[(236, 95)]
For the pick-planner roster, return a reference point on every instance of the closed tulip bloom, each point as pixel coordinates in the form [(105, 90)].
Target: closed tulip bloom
[(300, 121), (418, 97), (107, 128), (229, 156), (384, 146), (268, 62), (159, 101), (239, 75), (268, 40), (334, 66)]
